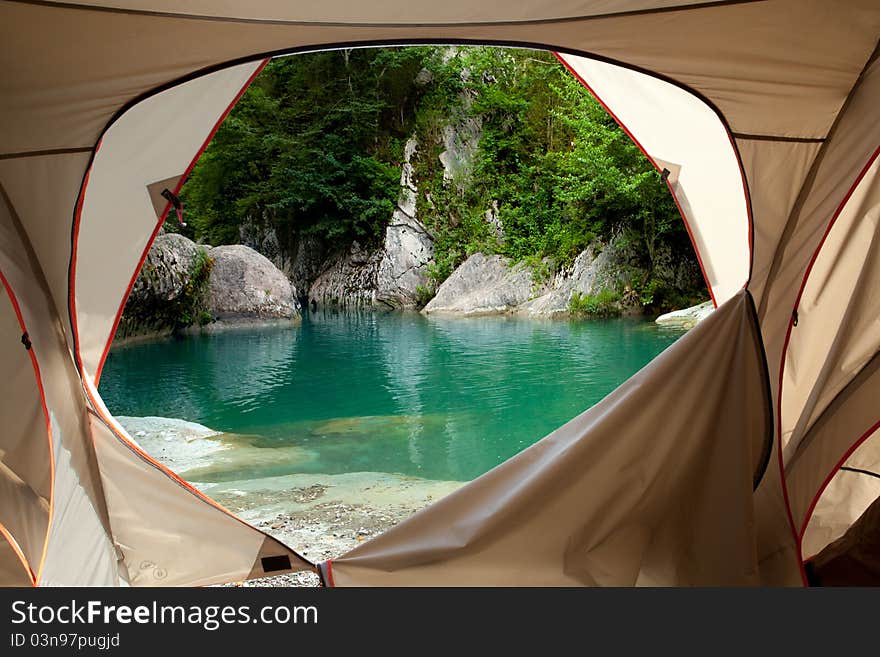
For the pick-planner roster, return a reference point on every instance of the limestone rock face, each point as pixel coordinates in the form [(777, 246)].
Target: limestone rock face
[(593, 271), (166, 269), (245, 284), (484, 285), (348, 281), (408, 247)]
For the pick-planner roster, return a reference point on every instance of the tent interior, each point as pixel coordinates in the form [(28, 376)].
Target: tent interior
[(744, 451)]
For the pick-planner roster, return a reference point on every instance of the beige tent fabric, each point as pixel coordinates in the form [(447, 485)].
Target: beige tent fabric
[(851, 417), (675, 127), (154, 141), (25, 460), (13, 572), (793, 82), (78, 550), (648, 487), (395, 11), (838, 328), (776, 173), (46, 217), (25, 466), (846, 498), (837, 169), (854, 558)]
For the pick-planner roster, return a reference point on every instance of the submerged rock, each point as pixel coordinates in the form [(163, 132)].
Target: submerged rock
[(686, 318), (245, 284), (484, 285), (176, 444)]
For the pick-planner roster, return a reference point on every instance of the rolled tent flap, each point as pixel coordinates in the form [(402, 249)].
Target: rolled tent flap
[(652, 486)]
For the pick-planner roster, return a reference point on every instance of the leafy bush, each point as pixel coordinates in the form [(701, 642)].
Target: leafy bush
[(604, 304)]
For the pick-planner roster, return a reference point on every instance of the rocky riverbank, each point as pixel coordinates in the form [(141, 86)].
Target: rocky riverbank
[(322, 516)]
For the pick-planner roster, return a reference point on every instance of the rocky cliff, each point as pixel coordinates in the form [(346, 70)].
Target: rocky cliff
[(390, 276)]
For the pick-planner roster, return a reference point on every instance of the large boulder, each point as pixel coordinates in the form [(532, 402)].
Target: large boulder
[(484, 285), (159, 302), (245, 284)]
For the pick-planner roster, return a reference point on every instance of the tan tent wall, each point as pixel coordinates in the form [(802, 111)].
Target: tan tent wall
[(25, 460), (157, 140), (78, 550), (14, 570), (845, 498), (792, 81), (637, 490), (838, 331), (850, 419)]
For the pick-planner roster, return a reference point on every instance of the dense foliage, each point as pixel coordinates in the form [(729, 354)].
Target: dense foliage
[(315, 147)]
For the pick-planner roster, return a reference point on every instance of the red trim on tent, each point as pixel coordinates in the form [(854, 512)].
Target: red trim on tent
[(798, 535), (164, 215), (831, 475), (668, 185), (329, 570), (77, 216), (15, 548), (39, 378)]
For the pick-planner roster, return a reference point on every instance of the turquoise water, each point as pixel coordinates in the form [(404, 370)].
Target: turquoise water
[(436, 398)]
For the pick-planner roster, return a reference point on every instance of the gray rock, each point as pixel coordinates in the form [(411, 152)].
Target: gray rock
[(245, 284), (594, 270), (154, 306), (460, 142), (403, 269), (408, 247), (686, 318), (484, 285), (307, 263), (166, 269), (348, 280), (262, 237)]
